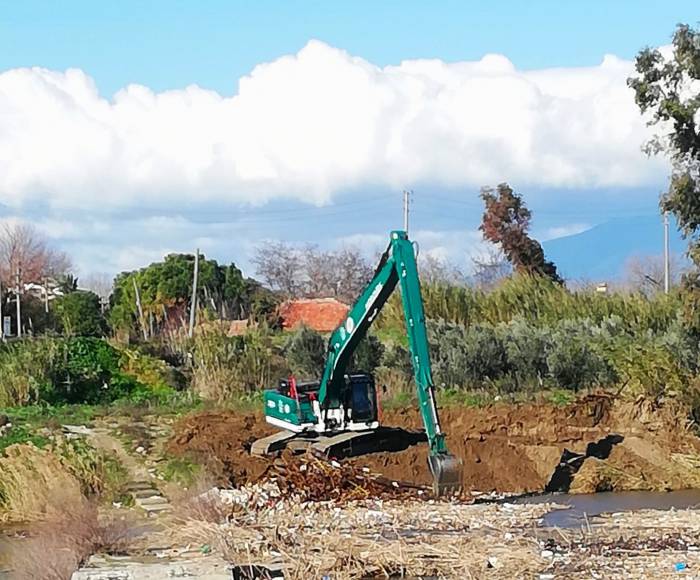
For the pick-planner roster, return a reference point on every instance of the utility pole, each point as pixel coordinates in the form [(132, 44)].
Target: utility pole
[(140, 309), (2, 320), (18, 276), (193, 301), (667, 256), (46, 295), (406, 202)]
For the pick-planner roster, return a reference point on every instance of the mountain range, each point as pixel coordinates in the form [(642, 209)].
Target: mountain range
[(601, 252)]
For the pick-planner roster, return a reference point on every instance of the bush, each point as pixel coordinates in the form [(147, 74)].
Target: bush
[(224, 366), (305, 352), (526, 350), (73, 370), (89, 373), (466, 356), (27, 370), (80, 314), (368, 355), (573, 362)]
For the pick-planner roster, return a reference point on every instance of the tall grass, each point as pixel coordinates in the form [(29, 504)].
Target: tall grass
[(224, 366), (538, 301), (26, 369)]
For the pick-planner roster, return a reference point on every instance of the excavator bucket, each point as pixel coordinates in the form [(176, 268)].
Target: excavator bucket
[(447, 474)]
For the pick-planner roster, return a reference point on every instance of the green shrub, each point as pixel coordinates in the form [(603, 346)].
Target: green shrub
[(80, 314), (466, 356), (526, 350), (89, 373), (305, 352), (27, 370), (397, 358), (227, 366), (368, 355), (574, 363)]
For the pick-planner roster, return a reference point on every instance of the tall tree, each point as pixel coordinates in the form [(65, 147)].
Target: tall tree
[(506, 222), (668, 91)]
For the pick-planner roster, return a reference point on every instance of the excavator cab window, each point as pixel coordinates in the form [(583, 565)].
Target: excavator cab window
[(363, 398)]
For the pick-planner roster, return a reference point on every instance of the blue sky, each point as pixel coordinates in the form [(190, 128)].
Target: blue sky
[(168, 44), (306, 126)]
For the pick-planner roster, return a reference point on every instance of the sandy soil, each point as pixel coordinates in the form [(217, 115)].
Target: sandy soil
[(505, 448)]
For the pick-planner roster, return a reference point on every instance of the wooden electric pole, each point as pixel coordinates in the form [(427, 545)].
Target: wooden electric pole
[(667, 255), (18, 277), (406, 202), (193, 300)]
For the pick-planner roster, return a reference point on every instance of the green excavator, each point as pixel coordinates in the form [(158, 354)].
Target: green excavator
[(339, 415)]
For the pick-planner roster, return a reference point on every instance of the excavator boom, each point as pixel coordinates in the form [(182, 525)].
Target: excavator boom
[(341, 402)]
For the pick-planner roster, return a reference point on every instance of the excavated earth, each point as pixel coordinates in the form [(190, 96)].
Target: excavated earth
[(598, 443)]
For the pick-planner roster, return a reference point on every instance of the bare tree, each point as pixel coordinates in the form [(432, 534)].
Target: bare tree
[(645, 274), (23, 248), (100, 283), (320, 273), (310, 272), (281, 266), (433, 270), (353, 273), (490, 268)]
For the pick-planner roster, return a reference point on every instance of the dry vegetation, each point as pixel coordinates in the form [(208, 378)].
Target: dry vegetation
[(72, 531)]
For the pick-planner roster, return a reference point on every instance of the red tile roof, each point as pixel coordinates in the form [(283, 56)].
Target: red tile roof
[(321, 314)]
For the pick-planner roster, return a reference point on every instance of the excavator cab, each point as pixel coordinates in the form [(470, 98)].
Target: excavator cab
[(361, 398)]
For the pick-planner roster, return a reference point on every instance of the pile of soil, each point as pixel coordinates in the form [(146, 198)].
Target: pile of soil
[(505, 448), (221, 440)]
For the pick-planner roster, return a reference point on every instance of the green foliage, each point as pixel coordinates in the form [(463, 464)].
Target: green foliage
[(165, 289), (21, 434), (396, 357), (573, 362), (526, 350), (224, 366), (305, 352), (667, 88), (181, 471), (368, 354), (572, 355), (80, 314), (27, 370), (61, 371), (88, 373), (536, 301), (462, 356)]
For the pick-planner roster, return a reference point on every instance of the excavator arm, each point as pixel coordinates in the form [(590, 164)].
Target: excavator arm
[(397, 266)]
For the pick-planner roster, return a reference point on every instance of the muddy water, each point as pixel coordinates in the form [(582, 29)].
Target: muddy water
[(583, 507)]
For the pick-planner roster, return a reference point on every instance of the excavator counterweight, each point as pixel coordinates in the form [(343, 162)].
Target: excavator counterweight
[(338, 414)]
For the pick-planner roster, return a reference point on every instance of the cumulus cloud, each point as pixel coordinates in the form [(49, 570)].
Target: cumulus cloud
[(315, 123)]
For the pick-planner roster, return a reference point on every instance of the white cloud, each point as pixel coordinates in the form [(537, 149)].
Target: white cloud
[(563, 231), (311, 124)]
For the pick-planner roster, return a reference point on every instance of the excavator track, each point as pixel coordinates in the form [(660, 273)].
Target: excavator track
[(339, 445)]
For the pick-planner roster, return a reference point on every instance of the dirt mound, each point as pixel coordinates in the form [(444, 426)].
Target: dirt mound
[(221, 440), (508, 448)]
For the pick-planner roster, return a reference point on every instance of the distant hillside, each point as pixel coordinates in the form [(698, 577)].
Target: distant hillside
[(600, 253)]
